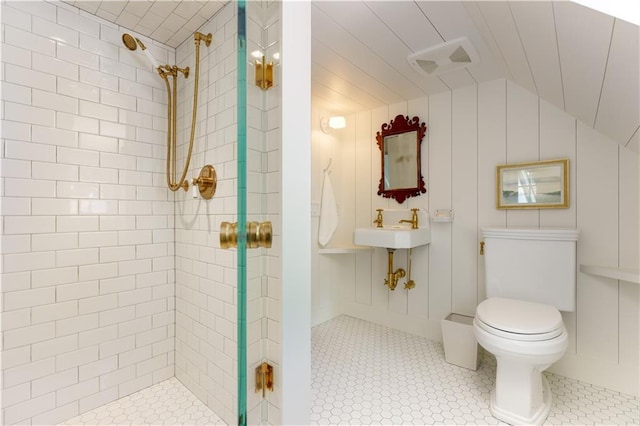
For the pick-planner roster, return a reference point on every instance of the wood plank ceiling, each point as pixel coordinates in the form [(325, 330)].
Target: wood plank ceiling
[(580, 60), (576, 58)]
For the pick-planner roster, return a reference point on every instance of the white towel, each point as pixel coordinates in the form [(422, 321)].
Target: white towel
[(328, 212)]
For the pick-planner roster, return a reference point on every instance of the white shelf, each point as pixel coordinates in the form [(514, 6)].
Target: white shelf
[(345, 250), (623, 274), (443, 215), (441, 219)]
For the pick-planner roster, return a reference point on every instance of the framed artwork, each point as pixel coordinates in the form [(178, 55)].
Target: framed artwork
[(535, 185)]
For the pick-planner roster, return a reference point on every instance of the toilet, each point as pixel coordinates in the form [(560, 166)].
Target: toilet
[(530, 277)]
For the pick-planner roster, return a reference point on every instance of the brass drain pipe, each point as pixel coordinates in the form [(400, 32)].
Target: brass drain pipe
[(392, 277)]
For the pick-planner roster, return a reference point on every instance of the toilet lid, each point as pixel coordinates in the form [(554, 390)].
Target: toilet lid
[(520, 317)]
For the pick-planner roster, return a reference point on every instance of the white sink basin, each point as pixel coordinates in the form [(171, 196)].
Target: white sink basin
[(393, 237)]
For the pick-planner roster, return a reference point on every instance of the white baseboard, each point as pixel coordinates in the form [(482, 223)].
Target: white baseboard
[(414, 325), (618, 377)]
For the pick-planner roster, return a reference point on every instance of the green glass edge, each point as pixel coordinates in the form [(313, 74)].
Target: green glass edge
[(242, 213)]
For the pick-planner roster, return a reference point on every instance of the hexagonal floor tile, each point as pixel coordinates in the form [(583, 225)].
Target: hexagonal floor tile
[(168, 402), (392, 368)]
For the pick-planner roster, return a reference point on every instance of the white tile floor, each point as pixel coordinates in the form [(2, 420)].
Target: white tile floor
[(166, 403), (366, 374)]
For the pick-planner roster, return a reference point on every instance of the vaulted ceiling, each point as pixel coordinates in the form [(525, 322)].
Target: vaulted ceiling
[(583, 61)]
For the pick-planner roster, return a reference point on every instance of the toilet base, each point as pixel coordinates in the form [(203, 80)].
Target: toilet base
[(514, 419)]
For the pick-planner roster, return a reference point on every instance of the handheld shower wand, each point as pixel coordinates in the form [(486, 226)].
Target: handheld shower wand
[(132, 43)]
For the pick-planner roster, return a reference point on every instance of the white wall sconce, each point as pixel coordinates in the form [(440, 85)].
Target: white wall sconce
[(334, 122)]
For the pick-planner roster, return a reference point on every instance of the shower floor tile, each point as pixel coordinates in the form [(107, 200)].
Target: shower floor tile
[(165, 403), (364, 373)]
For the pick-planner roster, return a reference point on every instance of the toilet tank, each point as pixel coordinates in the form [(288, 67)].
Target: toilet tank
[(536, 265)]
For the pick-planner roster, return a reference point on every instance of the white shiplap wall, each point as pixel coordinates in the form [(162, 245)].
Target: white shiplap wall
[(470, 131), (87, 223)]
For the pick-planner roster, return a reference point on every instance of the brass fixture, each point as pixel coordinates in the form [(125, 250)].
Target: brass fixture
[(410, 283), (228, 235), (481, 248), (207, 182), (198, 37), (392, 277), (172, 141), (264, 378), (379, 219), (131, 42), (264, 73), (258, 235), (413, 221), (166, 71)]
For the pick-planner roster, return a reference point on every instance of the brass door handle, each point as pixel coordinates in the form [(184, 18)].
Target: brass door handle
[(228, 235), (481, 248), (258, 234)]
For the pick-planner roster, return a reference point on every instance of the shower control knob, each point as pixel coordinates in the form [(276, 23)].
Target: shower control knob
[(206, 182)]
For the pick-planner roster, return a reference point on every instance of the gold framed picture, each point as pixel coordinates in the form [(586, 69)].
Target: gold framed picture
[(535, 185)]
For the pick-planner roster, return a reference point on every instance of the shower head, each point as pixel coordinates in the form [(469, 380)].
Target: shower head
[(132, 43)]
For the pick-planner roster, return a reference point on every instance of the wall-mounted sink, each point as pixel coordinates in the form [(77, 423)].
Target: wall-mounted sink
[(393, 237)]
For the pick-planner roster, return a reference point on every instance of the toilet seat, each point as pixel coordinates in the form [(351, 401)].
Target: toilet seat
[(519, 320)]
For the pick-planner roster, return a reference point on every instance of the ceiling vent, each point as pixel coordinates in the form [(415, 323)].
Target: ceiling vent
[(450, 56)]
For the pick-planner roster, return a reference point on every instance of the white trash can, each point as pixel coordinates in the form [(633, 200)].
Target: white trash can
[(460, 345)]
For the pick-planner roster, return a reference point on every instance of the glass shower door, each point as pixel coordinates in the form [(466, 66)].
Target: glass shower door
[(253, 225), (241, 150)]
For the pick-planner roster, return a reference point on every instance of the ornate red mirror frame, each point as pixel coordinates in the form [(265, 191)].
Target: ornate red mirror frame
[(397, 126)]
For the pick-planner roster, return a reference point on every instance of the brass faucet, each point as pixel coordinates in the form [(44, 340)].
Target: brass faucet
[(378, 220), (413, 221)]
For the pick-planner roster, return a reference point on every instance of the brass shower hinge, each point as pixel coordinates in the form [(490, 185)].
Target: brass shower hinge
[(264, 378)]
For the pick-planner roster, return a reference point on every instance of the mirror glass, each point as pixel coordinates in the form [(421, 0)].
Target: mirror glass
[(399, 142), (400, 163)]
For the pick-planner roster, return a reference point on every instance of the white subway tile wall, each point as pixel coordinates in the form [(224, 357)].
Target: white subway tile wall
[(263, 164), (87, 224), (205, 274)]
